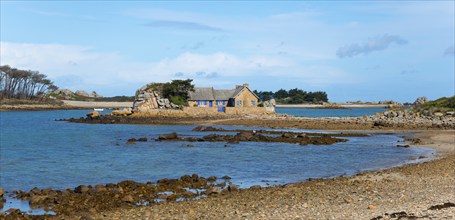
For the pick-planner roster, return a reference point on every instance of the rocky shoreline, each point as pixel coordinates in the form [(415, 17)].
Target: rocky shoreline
[(392, 120), (423, 190)]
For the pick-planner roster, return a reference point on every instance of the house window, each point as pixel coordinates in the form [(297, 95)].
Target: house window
[(239, 102), (253, 102)]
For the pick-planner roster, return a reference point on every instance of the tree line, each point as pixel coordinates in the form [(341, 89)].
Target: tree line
[(293, 96), (23, 84)]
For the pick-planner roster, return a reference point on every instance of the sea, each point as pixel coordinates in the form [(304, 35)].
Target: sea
[(37, 150)]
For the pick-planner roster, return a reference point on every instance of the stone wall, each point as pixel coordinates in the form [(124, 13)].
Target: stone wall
[(201, 111), (228, 110), (249, 110)]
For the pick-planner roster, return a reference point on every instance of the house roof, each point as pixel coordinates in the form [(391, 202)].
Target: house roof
[(202, 93), (223, 94), (208, 93)]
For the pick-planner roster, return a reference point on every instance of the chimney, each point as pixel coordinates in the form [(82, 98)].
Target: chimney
[(246, 85)]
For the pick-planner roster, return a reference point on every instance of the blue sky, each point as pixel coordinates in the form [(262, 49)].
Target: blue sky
[(370, 51)]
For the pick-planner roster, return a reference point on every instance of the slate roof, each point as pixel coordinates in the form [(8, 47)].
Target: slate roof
[(208, 93)]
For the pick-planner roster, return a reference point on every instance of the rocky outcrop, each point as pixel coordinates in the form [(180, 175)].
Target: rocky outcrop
[(123, 112), (421, 100), (87, 198), (147, 99), (82, 93), (68, 94), (93, 115)]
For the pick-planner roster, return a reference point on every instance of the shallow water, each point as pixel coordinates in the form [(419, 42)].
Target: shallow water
[(37, 151), (317, 113)]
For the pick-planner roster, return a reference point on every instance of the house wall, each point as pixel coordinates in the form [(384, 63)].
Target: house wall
[(246, 97), (215, 105)]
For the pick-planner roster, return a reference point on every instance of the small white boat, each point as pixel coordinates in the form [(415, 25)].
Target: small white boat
[(98, 109)]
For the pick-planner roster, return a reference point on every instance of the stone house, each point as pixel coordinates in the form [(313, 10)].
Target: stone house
[(240, 96)]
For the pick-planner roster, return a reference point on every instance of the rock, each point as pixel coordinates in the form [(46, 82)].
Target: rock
[(124, 112), (2, 192), (170, 136), (301, 135), (255, 187), (287, 135), (81, 189), (403, 146), (144, 139), (213, 191), (371, 207), (272, 103), (438, 114), (13, 210), (93, 115), (128, 199), (232, 188), (82, 93), (212, 179), (233, 142), (226, 177), (244, 136), (348, 200), (421, 100), (35, 199), (100, 188)]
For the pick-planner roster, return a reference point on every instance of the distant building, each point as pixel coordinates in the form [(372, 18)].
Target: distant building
[(240, 96)]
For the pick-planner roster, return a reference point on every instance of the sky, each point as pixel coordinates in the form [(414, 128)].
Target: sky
[(353, 50)]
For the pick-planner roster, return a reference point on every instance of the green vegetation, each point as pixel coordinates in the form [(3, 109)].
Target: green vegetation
[(23, 84), (293, 96), (176, 91), (442, 105), (443, 102)]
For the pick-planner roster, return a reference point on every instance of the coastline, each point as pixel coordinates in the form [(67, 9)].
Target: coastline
[(411, 188), (67, 105), (421, 190), (329, 106)]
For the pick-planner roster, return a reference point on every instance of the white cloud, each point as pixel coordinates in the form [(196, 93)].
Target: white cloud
[(94, 70)]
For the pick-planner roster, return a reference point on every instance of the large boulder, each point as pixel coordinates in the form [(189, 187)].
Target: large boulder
[(421, 100), (123, 112), (148, 98), (82, 93), (93, 114)]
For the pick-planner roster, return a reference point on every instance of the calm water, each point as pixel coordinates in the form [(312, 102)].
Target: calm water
[(37, 151), (317, 113)]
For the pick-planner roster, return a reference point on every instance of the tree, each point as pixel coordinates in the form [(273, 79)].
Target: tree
[(281, 94), (22, 84), (177, 90), (264, 96)]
